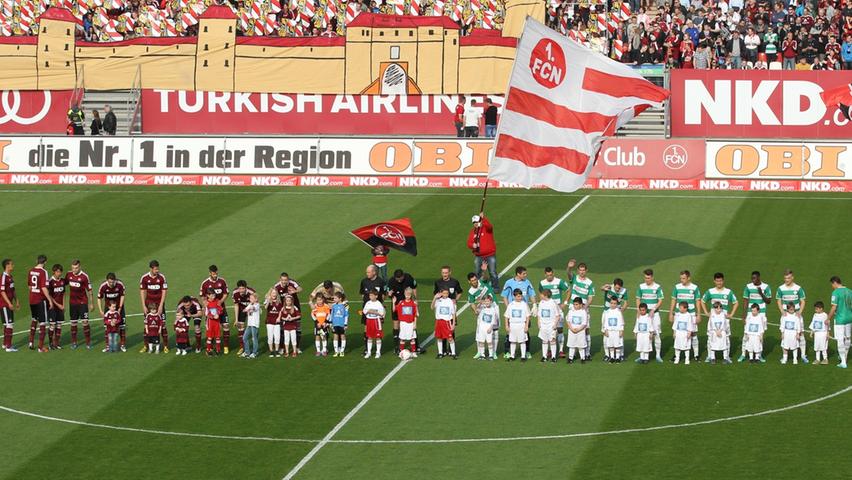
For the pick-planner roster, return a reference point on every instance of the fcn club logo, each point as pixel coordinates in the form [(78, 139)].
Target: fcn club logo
[(390, 233), (675, 157), (11, 108)]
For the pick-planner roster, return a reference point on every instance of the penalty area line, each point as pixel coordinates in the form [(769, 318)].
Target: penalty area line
[(372, 393)]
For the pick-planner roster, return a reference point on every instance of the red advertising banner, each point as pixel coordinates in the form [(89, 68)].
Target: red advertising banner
[(225, 113), (34, 111), (756, 104), (640, 158)]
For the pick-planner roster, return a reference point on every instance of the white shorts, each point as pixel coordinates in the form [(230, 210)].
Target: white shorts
[(575, 340), (789, 340), (482, 333), (273, 334), (657, 323), (717, 343), (517, 334), (820, 341), (406, 331), (754, 344), (613, 340), (843, 333), (547, 332)]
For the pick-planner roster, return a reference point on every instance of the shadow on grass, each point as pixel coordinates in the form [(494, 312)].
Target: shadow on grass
[(619, 253)]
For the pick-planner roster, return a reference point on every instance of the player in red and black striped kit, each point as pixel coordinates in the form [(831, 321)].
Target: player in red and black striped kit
[(152, 290), (80, 302), (56, 315), (288, 286), (220, 290), (40, 301), (241, 301), (190, 308), (8, 303), (112, 290)]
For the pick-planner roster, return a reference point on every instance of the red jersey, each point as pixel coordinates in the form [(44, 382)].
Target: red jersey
[(459, 117), (241, 300), (37, 280), (7, 285), (192, 310), (292, 317), (78, 287), (153, 323), (219, 286), (406, 311), (155, 286), (213, 311), (111, 321), (56, 287), (284, 290), (273, 309), (111, 294), (380, 256), (183, 324)]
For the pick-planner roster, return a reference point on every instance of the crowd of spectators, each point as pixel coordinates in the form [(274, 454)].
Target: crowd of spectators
[(701, 34)]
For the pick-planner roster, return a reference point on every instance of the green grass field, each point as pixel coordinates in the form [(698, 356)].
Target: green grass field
[(593, 421)]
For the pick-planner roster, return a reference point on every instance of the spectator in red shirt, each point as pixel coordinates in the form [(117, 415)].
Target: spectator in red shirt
[(481, 242), (458, 118)]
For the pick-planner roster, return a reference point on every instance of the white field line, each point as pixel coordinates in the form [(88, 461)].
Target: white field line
[(440, 441), (307, 458), (414, 192)]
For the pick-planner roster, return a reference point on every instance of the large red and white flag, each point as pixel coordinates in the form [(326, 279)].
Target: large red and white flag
[(563, 100)]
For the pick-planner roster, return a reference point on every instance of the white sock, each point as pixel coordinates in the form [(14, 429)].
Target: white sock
[(571, 352), (804, 348), (784, 357), (512, 348), (369, 347), (544, 349), (480, 349), (343, 345), (658, 344), (817, 355), (523, 350), (695, 345), (336, 345), (553, 350), (378, 346), (795, 356), (582, 354), (677, 356), (317, 344), (440, 347), (842, 351), (560, 339), (643, 356)]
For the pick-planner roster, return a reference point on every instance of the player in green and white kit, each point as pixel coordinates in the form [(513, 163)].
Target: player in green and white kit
[(650, 293), (583, 288), (790, 292), (722, 294), (841, 312), (477, 291), (688, 292), (557, 287), (617, 291), (757, 293)]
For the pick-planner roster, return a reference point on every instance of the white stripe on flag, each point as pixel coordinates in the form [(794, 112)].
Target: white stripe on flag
[(544, 134)]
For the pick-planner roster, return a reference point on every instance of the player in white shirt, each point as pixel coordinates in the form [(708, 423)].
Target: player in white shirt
[(487, 321), (549, 315), (517, 324), (819, 333), (374, 310), (791, 330), (577, 321), (755, 325), (445, 320), (683, 327), (612, 328), (718, 334), (644, 330)]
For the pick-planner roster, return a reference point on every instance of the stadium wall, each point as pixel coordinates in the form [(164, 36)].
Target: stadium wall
[(624, 164)]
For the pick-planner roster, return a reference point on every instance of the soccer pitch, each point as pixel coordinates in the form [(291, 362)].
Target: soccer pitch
[(85, 414)]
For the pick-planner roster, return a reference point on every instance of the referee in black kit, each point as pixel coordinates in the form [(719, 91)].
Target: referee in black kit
[(396, 289), (451, 284), (371, 283)]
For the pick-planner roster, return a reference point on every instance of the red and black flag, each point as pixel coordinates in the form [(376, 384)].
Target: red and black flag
[(396, 234), (841, 97)]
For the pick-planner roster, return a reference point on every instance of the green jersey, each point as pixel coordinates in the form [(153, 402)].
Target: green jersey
[(752, 295), (557, 286), (620, 295), (793, 294), (583, 288), (842, 298), (690, 294), (650, 295), (722, 295), (474, 295)]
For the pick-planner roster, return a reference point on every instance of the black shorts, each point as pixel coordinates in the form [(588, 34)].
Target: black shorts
[(7, 315), (339, 330), (55, 315), (155, 340), (320, 330), (39, 311), (80, 312), (197, 322)]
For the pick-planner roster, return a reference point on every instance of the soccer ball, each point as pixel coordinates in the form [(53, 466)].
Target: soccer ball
[(404, 354)]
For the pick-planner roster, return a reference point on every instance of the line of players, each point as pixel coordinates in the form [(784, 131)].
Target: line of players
[(718, 304), (687, 308)]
